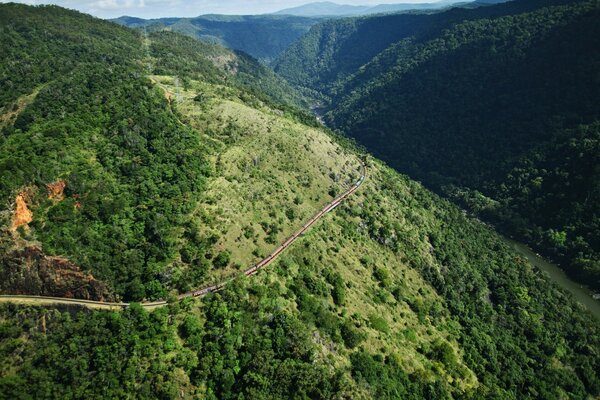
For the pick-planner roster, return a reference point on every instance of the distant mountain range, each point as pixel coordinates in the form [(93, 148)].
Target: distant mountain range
[(330, 9)]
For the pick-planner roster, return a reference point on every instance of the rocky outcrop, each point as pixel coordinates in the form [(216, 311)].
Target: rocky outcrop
[(30, 272)]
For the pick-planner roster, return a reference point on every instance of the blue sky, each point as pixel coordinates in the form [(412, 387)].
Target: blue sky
[(189, 8)]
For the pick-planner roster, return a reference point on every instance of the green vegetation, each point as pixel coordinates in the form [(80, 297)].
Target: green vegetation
[(174, 54), (263, 187), (179, 175), (334, 50), (266, 335), (132, 171), (495, 107), (221, 351)]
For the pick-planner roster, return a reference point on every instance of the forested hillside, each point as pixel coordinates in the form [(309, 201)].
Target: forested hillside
[(165, 170), (496, 107), (262, 36), (335, 49), (188, 58), (79, 114)]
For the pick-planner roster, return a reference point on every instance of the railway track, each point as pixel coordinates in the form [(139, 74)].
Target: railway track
[(265, 262)]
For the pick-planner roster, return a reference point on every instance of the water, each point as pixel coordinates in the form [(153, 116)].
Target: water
[(581, 293)]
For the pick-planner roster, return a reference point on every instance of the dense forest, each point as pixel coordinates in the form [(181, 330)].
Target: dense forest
[(264, 37), (495, 107), (155, 164), (99, 126), (332, 51)]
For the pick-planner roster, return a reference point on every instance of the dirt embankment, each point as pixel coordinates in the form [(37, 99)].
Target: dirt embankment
[(30, 272)]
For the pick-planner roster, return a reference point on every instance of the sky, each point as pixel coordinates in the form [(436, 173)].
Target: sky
[(189, 8)]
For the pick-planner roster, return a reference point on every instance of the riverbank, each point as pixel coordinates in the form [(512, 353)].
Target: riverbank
[(581, 293)]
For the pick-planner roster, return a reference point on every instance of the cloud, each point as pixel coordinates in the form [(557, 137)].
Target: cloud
[(117, 5)]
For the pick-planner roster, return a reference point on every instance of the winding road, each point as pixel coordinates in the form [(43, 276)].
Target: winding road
[(41, 300)]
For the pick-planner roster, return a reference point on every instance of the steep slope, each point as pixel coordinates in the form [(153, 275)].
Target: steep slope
[(479, 110), (394, 294), (131, 172), (262, 36), (334, 50)]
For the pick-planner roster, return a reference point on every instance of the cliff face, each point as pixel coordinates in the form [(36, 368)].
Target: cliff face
[(30, 272)]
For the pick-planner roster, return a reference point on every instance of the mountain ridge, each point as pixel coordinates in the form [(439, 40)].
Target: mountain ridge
[(331, 9), (262, 36)]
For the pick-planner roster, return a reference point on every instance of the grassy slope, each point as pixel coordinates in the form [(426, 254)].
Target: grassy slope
[(296, 162), (268, 169), (394, 246)]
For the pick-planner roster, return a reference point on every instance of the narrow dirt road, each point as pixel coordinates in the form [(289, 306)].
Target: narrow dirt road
[(40, 300)]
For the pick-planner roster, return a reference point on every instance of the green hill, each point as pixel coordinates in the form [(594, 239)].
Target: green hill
[(176, 173), (482, 105), (262, 36)]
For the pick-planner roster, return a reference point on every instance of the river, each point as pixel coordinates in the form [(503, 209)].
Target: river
[(581, 293)]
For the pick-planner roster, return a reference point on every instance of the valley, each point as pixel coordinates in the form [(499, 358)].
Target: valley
[(455, 100), (177, 224)]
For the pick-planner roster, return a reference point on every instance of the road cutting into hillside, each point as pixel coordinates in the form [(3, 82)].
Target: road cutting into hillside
[(265, 262)]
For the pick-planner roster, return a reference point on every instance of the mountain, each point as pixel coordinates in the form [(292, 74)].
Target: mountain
[(329, 9), (457, 100), (335, 49), (325, 8), (261, 36), (147, 166), (266, 37)]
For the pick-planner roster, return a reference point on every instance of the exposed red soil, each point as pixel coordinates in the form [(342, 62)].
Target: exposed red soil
[(23, 214), (56, 190)]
